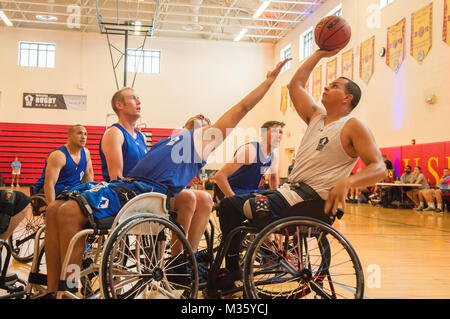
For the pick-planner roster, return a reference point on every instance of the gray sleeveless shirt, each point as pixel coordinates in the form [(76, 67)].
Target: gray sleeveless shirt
[(321, 161)]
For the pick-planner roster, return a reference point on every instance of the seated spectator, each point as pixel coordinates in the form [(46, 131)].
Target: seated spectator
[(406, 177), (417, 178), (387, 162), (431, 194)]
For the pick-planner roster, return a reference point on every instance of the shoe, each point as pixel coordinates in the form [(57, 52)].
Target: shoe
[(429, 209), (226, 280), (202, 270), (420, 208), (438, 210), (176, 270), (203, 256)]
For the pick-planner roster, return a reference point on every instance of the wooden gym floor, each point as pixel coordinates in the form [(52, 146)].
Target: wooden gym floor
[(405, 254)]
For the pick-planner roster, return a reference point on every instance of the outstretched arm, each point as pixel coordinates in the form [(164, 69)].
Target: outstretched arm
[(303, 102), (233, 116)]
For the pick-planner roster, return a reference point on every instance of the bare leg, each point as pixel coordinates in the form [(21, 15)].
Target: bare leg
[(200, 219), (70, 221), (52, 248), (14, 222), (184, 205)]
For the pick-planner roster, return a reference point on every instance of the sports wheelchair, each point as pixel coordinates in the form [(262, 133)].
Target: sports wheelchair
[(144, 253), (297, 256), (22, 240), (141, 253)]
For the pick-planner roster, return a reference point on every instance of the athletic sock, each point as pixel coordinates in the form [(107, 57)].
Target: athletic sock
[(431, 205)]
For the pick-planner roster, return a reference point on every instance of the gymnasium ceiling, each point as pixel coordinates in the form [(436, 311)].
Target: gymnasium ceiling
[(201, 19)]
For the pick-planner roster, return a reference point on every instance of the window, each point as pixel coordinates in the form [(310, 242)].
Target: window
[(336, 11), (285, 54), (41, 55), (306, 44), (143, 61), (384, 3)]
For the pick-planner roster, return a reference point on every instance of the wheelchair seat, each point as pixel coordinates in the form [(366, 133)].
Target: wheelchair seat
[(154, 203), (313, 209)]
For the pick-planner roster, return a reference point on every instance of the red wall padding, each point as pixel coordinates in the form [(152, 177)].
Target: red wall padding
[(431, 157), (32, 142)]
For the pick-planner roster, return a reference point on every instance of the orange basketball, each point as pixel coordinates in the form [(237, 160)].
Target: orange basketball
[(332, 33)]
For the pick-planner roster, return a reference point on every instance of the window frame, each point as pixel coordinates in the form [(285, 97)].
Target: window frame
[(37, 51), (148, 56), (283, 56), (385, 3), (309, 31)]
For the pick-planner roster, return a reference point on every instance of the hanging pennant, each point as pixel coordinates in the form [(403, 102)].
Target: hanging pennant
[(331, 71), (421, 32), (317, 84), (347, 64), (284, 98), (395, 53), (446, 31), (367, 59)]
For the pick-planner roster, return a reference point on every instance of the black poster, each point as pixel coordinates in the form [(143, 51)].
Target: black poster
[(54, 101)]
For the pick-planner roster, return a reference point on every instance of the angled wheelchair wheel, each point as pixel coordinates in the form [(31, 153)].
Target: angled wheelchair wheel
[(22, 239), (302, 258), (138, 261)]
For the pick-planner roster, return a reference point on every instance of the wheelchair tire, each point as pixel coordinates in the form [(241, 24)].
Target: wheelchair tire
[(301, 257), (22, 239), (148, 271)]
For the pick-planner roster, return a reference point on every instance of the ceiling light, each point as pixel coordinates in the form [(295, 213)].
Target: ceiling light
[(5, 19), (46, 17), (192, 27), (240, 35), (263, 7), (137, 27)]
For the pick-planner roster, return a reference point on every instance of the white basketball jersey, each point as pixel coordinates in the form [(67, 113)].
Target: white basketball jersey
[(321, 161)]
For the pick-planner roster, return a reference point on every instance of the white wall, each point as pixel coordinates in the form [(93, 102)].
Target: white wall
[(196, 77)]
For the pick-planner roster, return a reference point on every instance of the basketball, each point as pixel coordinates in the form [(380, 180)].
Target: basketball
[(332, 33)]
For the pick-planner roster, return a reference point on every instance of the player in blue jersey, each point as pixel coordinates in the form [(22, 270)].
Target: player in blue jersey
[(167, 168), (67, 166), (242, 175), (122, 145)]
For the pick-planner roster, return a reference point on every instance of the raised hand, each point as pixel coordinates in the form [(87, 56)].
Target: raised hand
[(274, 73)]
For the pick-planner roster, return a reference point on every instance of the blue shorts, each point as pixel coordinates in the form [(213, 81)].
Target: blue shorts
[(104, 200)]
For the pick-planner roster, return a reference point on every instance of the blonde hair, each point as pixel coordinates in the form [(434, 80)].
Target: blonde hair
[(118, 97)]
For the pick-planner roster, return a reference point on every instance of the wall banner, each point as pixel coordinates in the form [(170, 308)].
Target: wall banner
[(422, 32), (446, 31), (284, 99), (395, 53), (347, 64), (54, 101), (367, 60), (317, 84), (331, 71)]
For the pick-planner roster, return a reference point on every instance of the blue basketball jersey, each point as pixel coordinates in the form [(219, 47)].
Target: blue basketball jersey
[(247, 178), (133, 150), (170, 164), (70, 175)]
